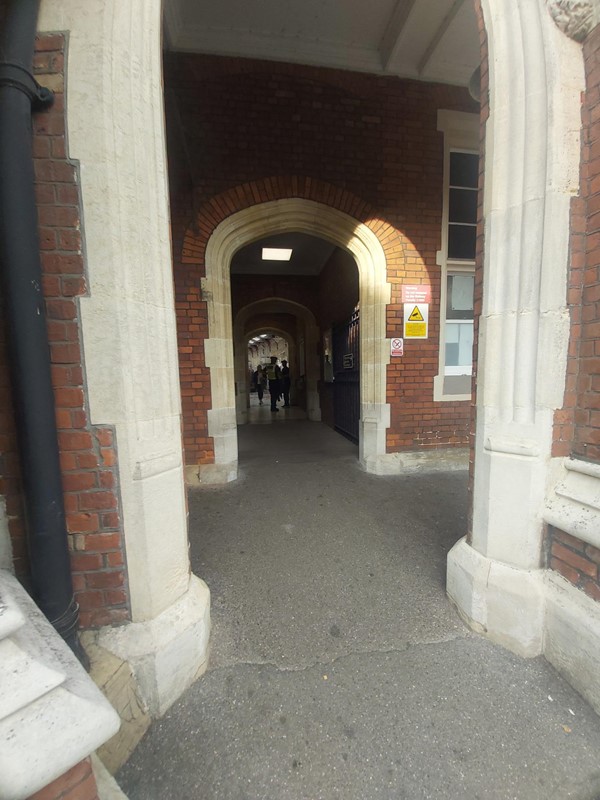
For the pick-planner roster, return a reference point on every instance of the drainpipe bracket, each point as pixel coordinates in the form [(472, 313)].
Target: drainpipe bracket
[(20, 78)]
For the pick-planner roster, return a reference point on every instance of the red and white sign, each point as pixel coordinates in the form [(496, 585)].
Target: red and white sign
[(416, 294), (397, 346)]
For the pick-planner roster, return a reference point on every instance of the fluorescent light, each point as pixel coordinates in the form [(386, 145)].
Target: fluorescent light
[(276, 254)]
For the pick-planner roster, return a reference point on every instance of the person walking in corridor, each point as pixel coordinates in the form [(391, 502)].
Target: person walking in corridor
[(260, 380), (274, 376), (285, 383)]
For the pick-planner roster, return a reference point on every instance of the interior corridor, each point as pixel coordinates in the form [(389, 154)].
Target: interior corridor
[(338, 667)]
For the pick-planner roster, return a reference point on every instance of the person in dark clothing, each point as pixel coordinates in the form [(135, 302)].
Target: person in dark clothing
[(260, 382), (285, 382), (274, 376)]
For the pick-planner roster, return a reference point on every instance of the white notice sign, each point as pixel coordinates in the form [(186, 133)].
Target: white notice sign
[(397, 346)]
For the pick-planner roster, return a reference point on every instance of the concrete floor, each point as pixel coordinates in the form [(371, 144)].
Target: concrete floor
[(339, 670)]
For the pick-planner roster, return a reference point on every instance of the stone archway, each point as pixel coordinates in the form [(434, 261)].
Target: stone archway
[(497, 576), (303, 216), (532, 158), (311, 332), (242, 396)]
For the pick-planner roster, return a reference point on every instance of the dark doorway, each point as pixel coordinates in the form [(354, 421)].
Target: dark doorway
[(346, 376)]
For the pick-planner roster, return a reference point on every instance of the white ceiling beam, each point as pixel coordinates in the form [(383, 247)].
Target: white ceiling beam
[(394, 28), (439, 35)]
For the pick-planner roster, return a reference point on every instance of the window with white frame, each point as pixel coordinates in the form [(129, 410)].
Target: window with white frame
[(457, 256), (459, 324)]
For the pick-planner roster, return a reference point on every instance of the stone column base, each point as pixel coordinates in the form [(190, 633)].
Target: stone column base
[(504, 603), (440, 460), (313, 406), (211, 474), (165, 654), (530, 613)]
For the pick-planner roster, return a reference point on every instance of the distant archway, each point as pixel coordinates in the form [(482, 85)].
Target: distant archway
[(303, 216), (311, 332)]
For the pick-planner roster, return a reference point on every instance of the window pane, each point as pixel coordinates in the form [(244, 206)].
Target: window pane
[(459, 345), (459, 297), (464, 169), (463, 205), (461, 241)]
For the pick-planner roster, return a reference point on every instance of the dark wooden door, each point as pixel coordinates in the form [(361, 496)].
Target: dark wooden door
[(346, 377)]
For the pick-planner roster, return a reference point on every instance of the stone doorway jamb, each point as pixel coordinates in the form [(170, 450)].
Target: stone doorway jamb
[(302, 216), (532, 151)]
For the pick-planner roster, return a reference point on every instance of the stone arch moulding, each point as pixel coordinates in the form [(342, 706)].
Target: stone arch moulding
[(501, 582), (242, 397), (302, 216), (311, 334)]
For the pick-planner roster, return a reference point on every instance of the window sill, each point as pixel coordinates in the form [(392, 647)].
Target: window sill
[(443, 389)]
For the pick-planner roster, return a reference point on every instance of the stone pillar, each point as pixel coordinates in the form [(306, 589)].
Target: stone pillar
[(532, 163), (116, 133)]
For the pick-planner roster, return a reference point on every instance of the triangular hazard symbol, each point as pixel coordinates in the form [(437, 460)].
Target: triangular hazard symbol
[(416, 315)]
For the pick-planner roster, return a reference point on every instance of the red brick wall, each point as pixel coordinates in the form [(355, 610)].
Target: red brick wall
[(246, 289), (577, 561), (577, 424), (369, 146), (88, 453), (586, 440), (78, 783)]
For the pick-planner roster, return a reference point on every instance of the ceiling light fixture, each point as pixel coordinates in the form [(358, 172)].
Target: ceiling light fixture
[(276, 254)]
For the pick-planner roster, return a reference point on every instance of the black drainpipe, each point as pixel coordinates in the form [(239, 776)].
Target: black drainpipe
[(29, 351)]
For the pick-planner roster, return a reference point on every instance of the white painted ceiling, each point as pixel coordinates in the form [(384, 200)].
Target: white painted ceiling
[(429, 40), (309, 256)]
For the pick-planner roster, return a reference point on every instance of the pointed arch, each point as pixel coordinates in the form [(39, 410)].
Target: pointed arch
[(302, 216), (311, 332)]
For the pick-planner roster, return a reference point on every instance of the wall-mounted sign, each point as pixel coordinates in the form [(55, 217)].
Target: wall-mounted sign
[(348, 360), (397, 347), (420, 293), (416, 320)]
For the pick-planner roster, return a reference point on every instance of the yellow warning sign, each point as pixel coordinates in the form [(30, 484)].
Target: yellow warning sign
[(416, 320)]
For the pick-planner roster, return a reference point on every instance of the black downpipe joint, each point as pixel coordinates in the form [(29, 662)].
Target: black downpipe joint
[(29, 350)]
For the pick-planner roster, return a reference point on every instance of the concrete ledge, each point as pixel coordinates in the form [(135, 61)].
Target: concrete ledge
[(439, 460), (168, 653), (504, 603), (572, 636), (59, 718), (573, 504), (211, 474)]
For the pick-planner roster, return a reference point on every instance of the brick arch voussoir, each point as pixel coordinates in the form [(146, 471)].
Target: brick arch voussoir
[(214, 211)]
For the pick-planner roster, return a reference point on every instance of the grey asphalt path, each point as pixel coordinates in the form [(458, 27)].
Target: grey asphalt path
[(339, 670)]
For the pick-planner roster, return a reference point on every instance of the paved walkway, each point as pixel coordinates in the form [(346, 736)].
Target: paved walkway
[(339, 670)]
